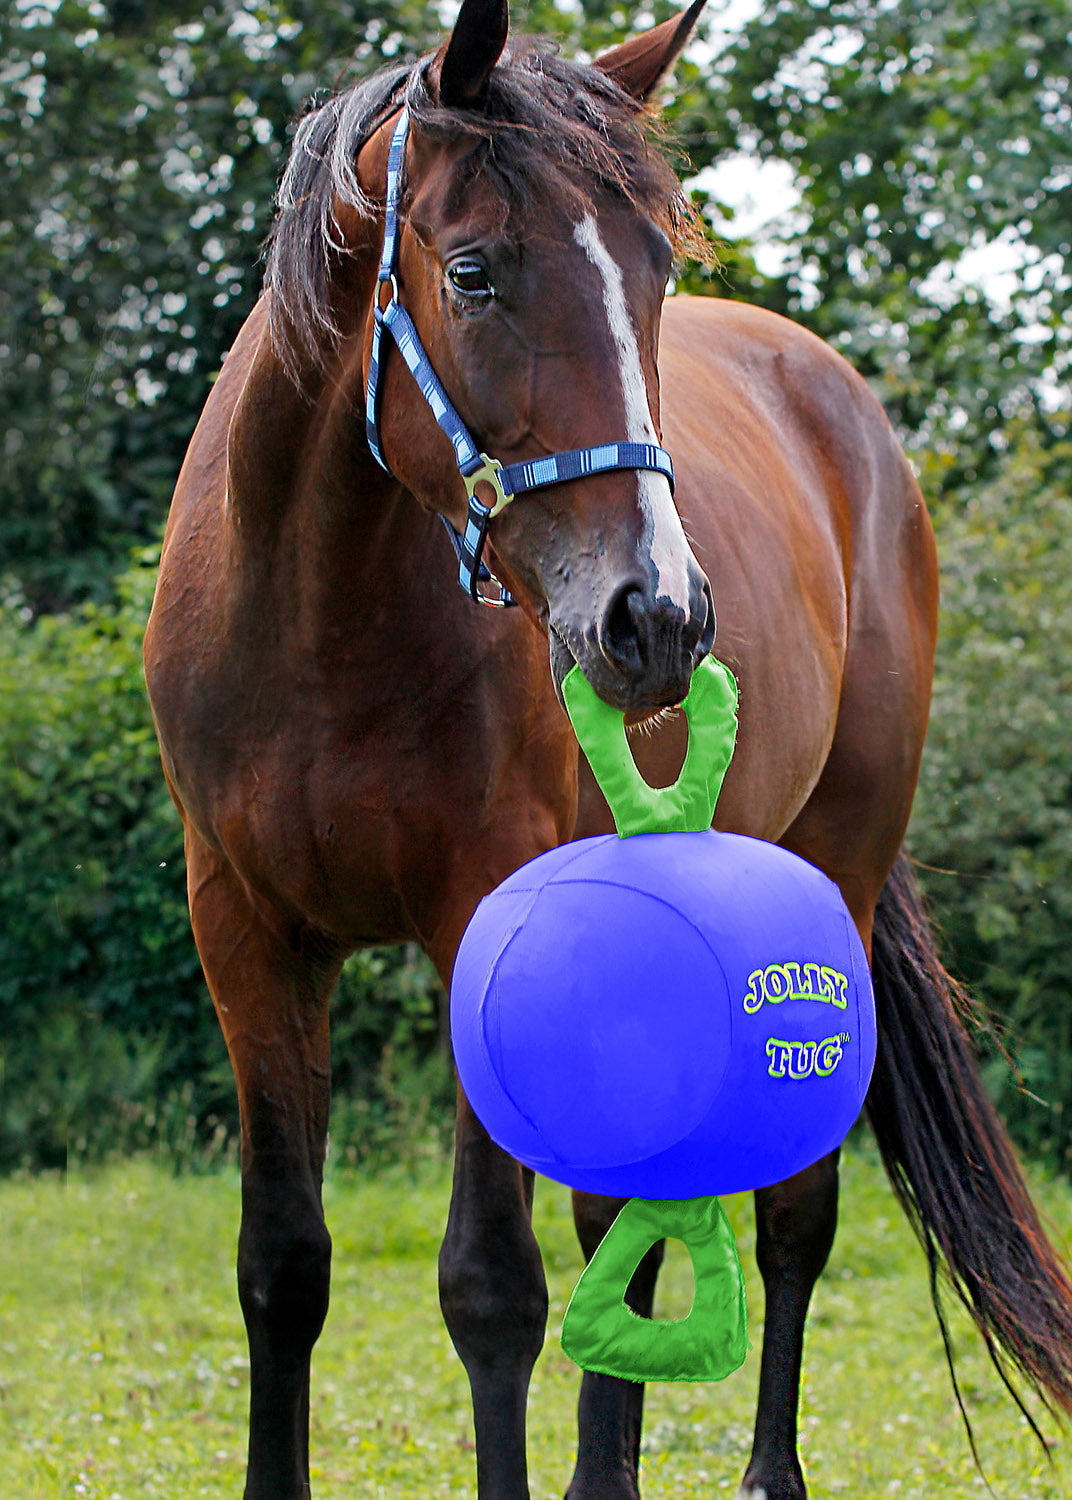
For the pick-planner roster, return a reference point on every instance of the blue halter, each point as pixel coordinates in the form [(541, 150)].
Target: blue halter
[(477, 468)]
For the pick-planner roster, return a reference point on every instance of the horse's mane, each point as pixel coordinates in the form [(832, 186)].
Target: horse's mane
[(549, 127)]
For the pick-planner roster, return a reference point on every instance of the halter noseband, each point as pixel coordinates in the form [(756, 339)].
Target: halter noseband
[(476, 467)]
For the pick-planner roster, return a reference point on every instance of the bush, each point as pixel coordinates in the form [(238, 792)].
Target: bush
[(993, 817), (108, 1041)]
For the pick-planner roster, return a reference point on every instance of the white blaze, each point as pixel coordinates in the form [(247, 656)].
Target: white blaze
[(669, 548)]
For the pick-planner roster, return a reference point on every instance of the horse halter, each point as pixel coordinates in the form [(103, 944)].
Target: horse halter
[(507, 481)]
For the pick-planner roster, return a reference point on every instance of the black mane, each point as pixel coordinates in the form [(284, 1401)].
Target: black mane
[(551, 127)]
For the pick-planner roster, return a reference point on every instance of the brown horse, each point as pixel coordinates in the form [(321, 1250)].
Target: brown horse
[(360, 753)]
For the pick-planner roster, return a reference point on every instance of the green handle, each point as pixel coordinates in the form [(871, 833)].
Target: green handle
[(689, 805), (601, 1333)]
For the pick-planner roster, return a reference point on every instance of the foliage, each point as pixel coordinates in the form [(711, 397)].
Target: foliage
[(107, 1037), (123, 1365), (145, 142), (93, 931), (922, 139), (994, 812), (392, 1081)]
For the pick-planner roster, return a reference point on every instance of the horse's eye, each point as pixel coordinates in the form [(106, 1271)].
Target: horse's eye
[(470, 279)]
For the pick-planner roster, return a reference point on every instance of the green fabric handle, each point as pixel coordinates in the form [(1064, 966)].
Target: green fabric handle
[(689, 805), (601, 1333)]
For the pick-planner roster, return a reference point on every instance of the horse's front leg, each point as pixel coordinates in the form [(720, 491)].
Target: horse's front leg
[(610, 1411), (795, 1224), (271, 996), (494, 1299)]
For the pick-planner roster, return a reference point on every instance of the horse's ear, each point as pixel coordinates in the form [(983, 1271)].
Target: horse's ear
[(475, 46), (641, 63)]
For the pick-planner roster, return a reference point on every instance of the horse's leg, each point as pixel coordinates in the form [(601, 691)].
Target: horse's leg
[(795, 1224), (271, 992), (610, 1411), (494, 1299)]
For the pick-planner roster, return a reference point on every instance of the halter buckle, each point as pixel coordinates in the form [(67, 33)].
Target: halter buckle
[(488, 473)]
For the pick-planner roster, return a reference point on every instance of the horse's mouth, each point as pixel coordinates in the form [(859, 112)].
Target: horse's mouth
[(648, 723)]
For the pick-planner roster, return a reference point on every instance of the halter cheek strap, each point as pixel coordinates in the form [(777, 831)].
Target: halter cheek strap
[(476, 468)]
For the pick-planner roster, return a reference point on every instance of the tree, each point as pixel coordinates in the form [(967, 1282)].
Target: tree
[(919, 135), (993, 818), (144, 143)]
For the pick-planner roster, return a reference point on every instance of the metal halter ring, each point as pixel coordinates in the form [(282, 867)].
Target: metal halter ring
[(391, 282), (488, 473)]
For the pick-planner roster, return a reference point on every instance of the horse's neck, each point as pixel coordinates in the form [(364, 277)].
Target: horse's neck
[(352, 590), (306, 501)]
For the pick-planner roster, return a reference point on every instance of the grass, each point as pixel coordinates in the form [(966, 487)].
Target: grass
[(123, 1368)]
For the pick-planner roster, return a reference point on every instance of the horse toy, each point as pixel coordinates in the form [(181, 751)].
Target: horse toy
[(666, 1014), (360, 753)]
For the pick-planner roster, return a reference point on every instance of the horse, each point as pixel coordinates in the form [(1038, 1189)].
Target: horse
[(360, 752)]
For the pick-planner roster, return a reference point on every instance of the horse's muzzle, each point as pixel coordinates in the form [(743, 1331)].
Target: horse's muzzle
[(641, 650)]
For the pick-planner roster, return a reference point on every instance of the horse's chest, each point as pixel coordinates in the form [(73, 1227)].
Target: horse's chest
[(330, 830), (352, 821)]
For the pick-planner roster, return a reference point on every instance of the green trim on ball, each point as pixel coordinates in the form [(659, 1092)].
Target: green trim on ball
[(689, 805)]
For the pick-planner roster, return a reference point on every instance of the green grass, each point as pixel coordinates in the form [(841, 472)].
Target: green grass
[(123, 1368)]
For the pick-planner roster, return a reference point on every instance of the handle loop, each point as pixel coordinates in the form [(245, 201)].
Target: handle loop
[(600, 1332), (689, 805)]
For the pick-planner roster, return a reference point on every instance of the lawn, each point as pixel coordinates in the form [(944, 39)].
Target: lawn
[(123, 1367)]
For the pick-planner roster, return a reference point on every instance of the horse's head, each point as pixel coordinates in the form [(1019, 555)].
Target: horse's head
[(536, 223)]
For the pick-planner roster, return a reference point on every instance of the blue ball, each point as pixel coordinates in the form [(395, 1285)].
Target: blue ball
[(670, 1015)]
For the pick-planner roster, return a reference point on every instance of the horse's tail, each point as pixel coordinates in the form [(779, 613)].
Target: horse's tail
[(952, 1164)]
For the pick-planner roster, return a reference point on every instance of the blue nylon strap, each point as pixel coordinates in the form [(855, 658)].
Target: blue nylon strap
[(470, 546), (512, 479), (557, 468), (515, 479), (372, 407), (470, 569), (400, 326), (395, 157)]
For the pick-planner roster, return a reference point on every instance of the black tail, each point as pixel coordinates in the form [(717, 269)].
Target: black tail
[(952, 1164)]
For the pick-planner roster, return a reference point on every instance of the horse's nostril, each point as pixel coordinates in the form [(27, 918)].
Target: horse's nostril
[(653, 642), (707, 634), (622, 634)]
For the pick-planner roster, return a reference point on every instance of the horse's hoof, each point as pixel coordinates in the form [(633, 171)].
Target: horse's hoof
[(606, 1487), (783, 1487), (605, 1492)]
